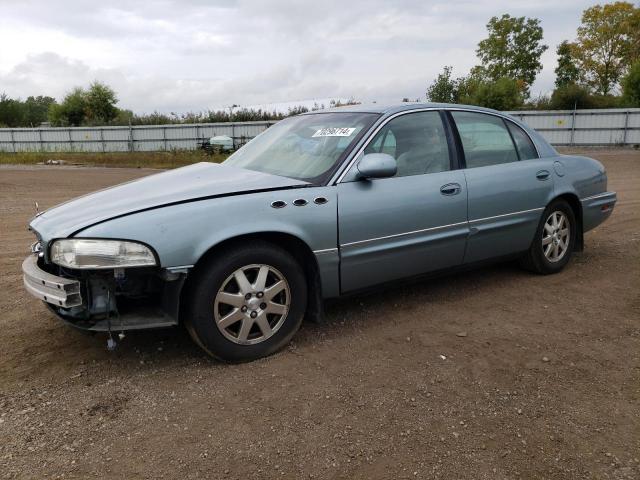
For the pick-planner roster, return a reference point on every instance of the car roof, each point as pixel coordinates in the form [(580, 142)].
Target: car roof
[(391, 109), (385, 111)]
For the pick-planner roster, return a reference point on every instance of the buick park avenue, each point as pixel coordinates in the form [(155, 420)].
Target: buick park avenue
[(318, 206)]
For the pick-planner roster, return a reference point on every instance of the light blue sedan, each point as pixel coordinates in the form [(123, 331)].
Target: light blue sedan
[(318, 206)]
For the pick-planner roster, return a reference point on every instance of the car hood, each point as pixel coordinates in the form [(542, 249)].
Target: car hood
[(195, 182)]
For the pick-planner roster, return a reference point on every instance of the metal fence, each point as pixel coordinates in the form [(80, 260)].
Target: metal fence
[(585, 127), (125, 139), (559, 127)]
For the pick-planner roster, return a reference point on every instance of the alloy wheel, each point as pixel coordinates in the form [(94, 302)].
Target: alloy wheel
[(252, 304), (555, 236)]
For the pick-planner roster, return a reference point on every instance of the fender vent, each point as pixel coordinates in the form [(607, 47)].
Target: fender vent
[(320, 200), (299, 202), (278, 204)]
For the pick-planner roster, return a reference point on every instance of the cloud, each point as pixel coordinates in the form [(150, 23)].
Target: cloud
[(177, 56)]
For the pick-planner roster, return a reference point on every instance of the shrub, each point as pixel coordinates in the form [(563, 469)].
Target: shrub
[(571, 96), (631, 86)]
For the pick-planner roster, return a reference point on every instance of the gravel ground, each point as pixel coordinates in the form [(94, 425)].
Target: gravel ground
[(491, 374)]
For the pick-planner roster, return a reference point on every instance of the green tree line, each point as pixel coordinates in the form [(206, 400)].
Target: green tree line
[(97, 105), (599, 69)]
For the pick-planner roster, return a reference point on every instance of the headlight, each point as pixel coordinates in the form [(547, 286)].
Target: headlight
[(89, 253)]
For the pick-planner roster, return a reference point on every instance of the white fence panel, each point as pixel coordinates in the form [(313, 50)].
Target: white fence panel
[(561, 127), (125, 139), (585, 127)]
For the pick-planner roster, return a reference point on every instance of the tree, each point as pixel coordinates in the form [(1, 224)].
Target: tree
[(607, 42), (631, 86), (72, 110), (11, 112), (570, 96), (512, 49), (444, 88), (633, 26), (36, 110), (466, 87), (100, 103), (541, 102), (501, 94), (30, 113), (567, 71), (94, 106)]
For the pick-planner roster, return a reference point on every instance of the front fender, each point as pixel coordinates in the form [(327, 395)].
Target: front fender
[(181, 234)]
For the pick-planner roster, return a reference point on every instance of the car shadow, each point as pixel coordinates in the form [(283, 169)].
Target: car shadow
[(411, 294), (369, 308)]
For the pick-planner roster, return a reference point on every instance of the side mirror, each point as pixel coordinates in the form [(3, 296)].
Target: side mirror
[(377, 165)]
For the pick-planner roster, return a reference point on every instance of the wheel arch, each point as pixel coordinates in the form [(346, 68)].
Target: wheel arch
[(574, 202), (292, 244)]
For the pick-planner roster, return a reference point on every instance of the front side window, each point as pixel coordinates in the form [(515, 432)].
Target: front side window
[(417, 141), (485, 139), (384, 143), (306, 147)]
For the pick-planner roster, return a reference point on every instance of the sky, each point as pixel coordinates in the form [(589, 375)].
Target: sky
[(195, 55)]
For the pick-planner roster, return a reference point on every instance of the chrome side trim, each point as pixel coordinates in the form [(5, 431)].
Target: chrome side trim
[(440, 227), (507, 214), (369, 139), (599, 195), (325, 250), (402, 234), (179, 268)]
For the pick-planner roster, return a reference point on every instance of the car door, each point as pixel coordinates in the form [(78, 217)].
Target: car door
[(412, 223), (508, 185)]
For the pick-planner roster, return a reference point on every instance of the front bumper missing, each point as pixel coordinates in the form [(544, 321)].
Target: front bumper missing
[(98, 302), (58, 291)]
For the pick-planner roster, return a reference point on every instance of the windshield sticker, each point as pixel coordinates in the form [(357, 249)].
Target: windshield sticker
[(334, 132)]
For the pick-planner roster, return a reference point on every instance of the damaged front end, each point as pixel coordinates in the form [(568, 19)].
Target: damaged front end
[(106, 299)]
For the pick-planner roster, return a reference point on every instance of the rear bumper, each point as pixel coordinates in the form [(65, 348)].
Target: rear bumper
[(597, 208), (58, 291)]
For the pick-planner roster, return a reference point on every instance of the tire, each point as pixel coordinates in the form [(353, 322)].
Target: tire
[(246, 302), (542, 257)]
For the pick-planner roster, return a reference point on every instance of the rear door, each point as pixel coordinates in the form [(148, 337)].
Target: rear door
[(508, 185), (415, 222)]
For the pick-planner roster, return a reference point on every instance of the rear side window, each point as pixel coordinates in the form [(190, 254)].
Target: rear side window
[(523, 142), (485, 139)]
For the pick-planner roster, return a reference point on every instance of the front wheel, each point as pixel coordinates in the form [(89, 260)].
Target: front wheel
[(247, 302), (554, 240)]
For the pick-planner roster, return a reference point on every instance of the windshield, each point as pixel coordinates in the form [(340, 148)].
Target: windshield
[(306, 147)]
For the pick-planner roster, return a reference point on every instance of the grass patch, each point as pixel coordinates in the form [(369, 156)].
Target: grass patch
[(172, 159)]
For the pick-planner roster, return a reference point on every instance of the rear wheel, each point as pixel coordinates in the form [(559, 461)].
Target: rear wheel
[(247, 302), (554, 241)]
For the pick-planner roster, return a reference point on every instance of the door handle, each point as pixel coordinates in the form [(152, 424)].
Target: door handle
[(543, 175), (450, 189)]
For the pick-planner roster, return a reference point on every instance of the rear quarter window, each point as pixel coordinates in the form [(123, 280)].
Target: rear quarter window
[(525, 146)]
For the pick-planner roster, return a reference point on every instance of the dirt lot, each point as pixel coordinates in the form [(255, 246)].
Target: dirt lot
[(545, 383)]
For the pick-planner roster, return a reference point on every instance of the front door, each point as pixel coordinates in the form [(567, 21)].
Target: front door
[(409, 224)]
